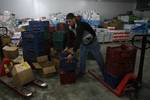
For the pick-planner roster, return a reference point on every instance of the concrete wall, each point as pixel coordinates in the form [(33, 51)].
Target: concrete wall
[(37, 8), (141, 14)]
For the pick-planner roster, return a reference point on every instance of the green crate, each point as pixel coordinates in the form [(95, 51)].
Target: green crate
[(58, 36), (46, 35), (58, 44)]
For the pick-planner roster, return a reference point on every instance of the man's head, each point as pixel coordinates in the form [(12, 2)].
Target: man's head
[(70, 19)]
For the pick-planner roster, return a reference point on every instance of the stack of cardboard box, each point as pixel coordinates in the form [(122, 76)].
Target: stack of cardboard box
[(10, 52), (45, 65)]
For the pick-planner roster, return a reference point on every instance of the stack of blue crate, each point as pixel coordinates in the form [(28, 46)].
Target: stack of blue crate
[(33, 40), (38, 26), (32, 44)]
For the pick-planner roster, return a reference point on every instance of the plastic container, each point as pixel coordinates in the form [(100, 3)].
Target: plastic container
[(111, 80), (120, 60), (67, 66), (67, 77)]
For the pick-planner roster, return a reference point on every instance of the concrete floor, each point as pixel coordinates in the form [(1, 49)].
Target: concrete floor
[(86, 88)]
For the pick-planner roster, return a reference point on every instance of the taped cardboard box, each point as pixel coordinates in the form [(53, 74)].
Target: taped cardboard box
[(56, 62), (46, 64), (45, 68), (11, 52), (19, 59), (49, 70), (5, 40), (37, 66), (22, 74), (41, 59)]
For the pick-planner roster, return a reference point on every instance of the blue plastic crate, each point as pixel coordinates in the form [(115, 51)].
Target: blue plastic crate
[(67, 66), (35, 50), (39, 23), (111, 80), (34, 47), (32, 42), (32, 35), (36, 28), (32, 52), (46, 23), (95, 23)]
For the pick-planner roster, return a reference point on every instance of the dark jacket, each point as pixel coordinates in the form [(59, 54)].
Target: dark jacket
[(74, 41)]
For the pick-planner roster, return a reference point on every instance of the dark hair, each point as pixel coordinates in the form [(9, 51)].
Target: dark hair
[(70, 16)]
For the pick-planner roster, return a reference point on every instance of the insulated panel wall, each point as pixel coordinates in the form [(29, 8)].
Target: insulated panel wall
[(38, 8)]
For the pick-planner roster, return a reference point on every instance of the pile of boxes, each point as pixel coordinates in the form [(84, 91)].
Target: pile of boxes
[(120, 35), (45, 66), (106, 35), (10, 52), (103, 35)]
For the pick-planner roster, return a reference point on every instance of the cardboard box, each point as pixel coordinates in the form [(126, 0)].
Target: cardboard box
[(45, 67), (41, 59), (11, 52), (22, 74), (49, 70), (19, 59), (37, 66), (56, 62), (5, 40), (46, 64)]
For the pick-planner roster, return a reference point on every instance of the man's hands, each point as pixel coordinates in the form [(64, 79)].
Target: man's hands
[(69, 50), (70, 56)]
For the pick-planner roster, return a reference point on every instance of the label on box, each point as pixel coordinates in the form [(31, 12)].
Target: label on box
[(26, 65)]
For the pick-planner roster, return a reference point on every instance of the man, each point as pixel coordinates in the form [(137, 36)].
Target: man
[(82, 36)]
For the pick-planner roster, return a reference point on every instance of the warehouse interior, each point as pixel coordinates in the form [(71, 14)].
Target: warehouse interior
[(34, 52)]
